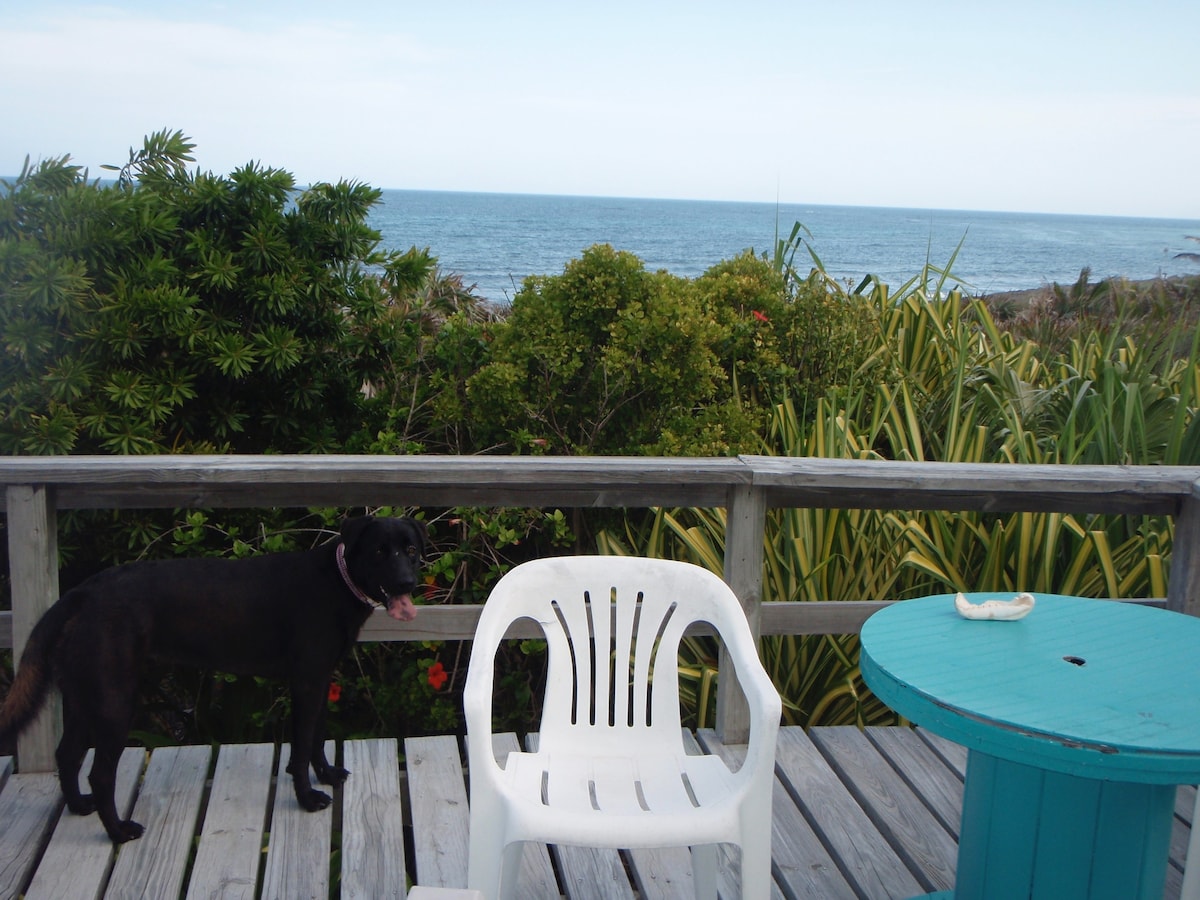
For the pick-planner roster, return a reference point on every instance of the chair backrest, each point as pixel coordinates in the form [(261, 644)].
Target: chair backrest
[(610, 623)]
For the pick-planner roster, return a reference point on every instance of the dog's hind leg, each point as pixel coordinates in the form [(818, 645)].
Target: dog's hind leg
[(77, 735), (110, 728), (103, 779)]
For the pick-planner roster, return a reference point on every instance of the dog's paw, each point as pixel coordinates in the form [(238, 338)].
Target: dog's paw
[(127, 830), (83, 805), (314, 800), (333, 775)]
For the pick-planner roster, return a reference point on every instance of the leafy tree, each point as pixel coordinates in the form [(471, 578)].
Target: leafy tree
[(176, 311)]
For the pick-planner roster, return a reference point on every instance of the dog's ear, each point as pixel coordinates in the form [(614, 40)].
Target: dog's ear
[(352, 528), (422, 532)]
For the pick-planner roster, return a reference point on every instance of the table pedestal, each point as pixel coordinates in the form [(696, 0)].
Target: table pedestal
[(1027, 832)]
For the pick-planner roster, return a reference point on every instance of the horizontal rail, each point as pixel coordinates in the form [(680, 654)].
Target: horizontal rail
[(147, 482), (983, 487), (457, 623), (199, 482)]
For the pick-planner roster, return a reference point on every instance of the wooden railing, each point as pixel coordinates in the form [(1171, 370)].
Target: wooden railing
[(36, 487)]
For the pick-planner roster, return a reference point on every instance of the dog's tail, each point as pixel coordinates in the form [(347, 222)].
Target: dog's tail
[(32, 682)]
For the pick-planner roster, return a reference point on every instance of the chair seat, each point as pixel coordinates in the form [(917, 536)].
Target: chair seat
[(648, 801)]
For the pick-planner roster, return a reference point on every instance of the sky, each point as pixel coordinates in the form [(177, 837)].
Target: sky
[(1089, 107)]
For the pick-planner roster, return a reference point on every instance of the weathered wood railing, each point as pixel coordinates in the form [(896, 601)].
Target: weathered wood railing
[(35, 488)]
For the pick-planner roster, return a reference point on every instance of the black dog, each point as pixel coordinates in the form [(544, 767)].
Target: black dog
[(286, 615)]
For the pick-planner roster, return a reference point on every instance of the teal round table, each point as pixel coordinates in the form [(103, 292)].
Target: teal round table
[(1079, 721)]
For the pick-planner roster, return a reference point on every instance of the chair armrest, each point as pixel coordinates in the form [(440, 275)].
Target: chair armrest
[(766, 707)]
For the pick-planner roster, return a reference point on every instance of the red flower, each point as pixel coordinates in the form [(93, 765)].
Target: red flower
[(437, 675), (762, 317), (335, 692)]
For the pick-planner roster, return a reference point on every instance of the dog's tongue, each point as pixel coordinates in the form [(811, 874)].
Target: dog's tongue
[(401, 608)]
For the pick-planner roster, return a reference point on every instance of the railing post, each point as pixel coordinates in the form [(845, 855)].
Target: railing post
[(33, 566), (745, 525), (1183, 582)]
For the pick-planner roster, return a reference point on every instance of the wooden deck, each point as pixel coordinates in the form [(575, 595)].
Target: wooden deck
[(869, 814)]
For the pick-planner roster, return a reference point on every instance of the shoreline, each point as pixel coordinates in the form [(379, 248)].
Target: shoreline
[(1182, 285)]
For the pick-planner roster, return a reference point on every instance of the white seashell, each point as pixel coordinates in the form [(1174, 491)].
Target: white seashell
[(1000, 610)]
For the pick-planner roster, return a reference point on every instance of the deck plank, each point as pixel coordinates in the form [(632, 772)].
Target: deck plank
[(592, 873), (373, 822), (954, 755), (924, 771), (801, 863), (916, 835), (1180, 835), (438, 798), (1185, 802), (663, 873), (29, 807), (168, 805), (1173, 884), (80, 854), (231, 839), (300, 842), (1181, 827), (866, 858)]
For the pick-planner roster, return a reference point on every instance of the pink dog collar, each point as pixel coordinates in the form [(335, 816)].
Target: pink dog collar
[(354, 588)]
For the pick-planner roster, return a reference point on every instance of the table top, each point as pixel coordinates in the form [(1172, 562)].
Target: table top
[(1095, 688)]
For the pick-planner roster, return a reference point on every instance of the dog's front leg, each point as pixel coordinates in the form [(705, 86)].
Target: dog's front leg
[(307, 703), (326, 772)]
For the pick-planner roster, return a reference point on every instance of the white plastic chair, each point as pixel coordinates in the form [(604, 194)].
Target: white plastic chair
[(610, 769)]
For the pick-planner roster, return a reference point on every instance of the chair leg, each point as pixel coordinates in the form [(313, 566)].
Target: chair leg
[(510, 871), (484, 864), (704, 871), (756, 869)]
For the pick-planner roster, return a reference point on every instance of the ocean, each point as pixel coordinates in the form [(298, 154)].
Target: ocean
[(494, 241)]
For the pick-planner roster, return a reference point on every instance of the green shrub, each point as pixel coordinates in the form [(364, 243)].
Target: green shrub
[(181, 312), (782, 335), (605, 358)]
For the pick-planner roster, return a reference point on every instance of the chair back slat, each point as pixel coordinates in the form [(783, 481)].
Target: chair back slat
[(616, 633)]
